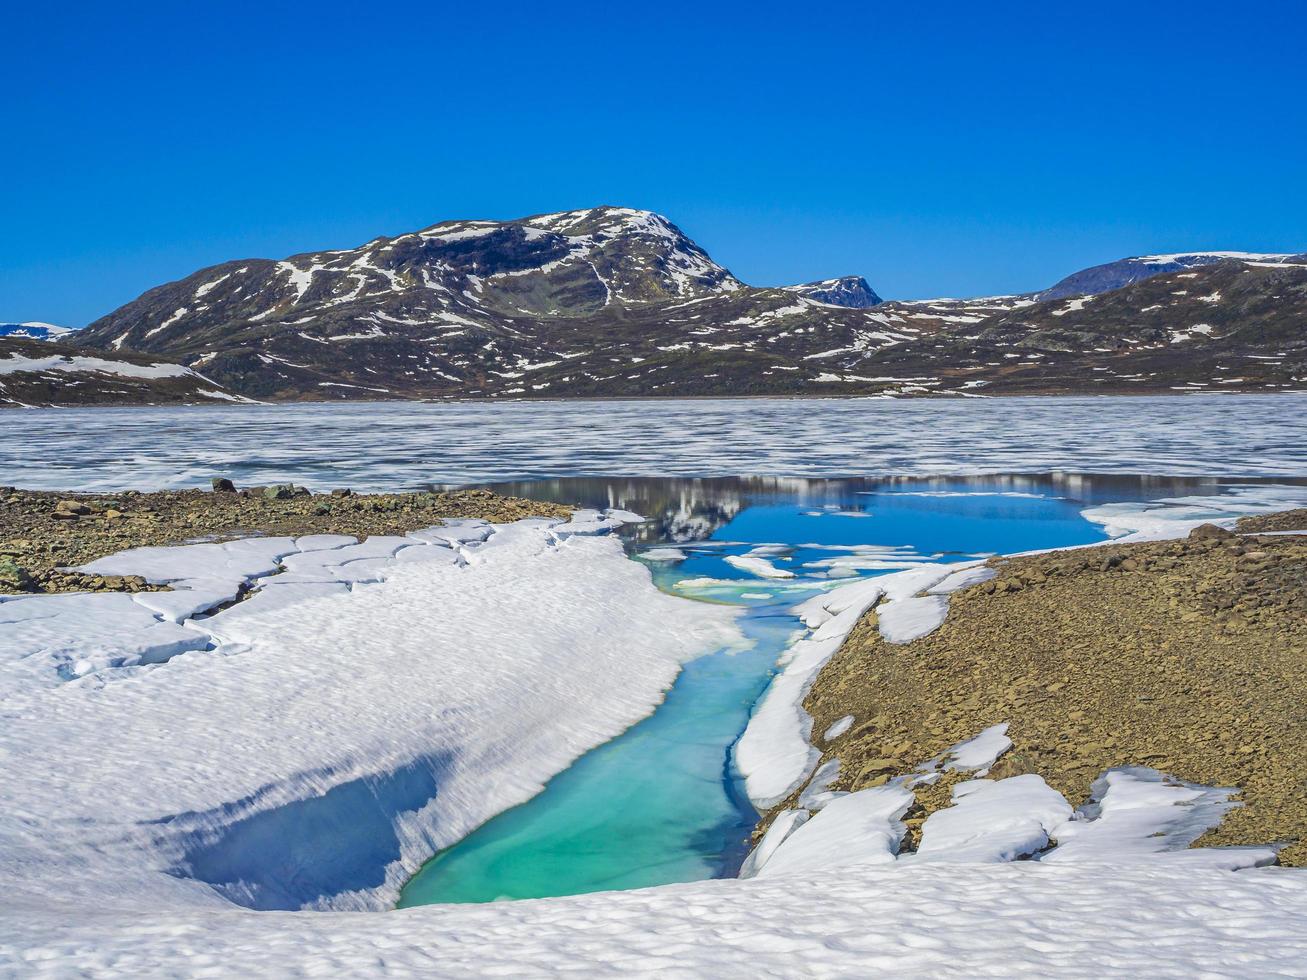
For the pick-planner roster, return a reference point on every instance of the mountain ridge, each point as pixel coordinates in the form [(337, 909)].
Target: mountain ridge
[(620, 302)]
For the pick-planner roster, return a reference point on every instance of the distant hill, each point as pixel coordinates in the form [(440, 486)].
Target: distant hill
[(40, 372), (1123, 272), (34, 330)]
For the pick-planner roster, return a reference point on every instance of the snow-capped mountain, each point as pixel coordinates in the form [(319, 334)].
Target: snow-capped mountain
[(1123, 272), (850, 291), (618, 302), (34, 330)]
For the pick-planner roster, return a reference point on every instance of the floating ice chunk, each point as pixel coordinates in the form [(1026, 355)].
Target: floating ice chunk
[(756, 565), (1140, 814), (870, 563), (625, 516), (992, 821), (858, 829), (663, 554), (905, 620), (586, 522)]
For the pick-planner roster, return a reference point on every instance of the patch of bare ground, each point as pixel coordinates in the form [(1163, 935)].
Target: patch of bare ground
[(1186, 656)]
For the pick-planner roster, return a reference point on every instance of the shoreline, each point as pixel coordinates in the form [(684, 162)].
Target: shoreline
[(45, 534), (944, 396), (1183, 655)]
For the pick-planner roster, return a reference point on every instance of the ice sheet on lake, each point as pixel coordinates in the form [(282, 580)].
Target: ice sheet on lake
[(1174, 517), (321, 738), (388, 446)]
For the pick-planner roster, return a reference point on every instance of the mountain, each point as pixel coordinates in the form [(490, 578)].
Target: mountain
[(42, 372), (611, 302), (1123, 272), (1236, 324), (850, 291), (34, 330)]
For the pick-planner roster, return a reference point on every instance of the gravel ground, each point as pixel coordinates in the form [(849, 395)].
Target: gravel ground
[(40, 532), (1187, 656)]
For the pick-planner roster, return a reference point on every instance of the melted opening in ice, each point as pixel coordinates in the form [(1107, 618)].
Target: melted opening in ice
[(666, 801)]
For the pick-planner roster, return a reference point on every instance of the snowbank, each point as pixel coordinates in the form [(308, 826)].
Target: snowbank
[(774, 753), (311, 745)]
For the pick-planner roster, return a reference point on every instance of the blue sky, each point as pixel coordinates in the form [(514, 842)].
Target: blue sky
[(937, 149)]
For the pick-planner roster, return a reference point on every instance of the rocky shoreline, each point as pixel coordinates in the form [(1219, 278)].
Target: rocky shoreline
[(42, 534), (1186, 656)]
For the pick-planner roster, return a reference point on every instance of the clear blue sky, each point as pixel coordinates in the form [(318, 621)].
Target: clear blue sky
[(937, 149)]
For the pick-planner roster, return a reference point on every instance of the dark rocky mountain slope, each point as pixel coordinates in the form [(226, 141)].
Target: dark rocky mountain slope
[(619, 302), (40, 372)]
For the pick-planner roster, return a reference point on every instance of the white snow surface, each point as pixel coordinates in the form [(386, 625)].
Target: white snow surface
[(774, 753), (1174, 517), (855, 829), (311, 745), (1001, 920), (283, 705), (993, 821), (77, 364)]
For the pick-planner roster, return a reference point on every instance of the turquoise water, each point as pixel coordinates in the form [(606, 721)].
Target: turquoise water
[(662, 802)]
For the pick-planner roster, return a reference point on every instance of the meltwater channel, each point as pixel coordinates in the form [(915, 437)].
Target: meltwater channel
[(663, 802)]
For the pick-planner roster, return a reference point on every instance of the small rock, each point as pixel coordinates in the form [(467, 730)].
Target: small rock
[(279, 491), (342, 492), (112, 515), (74, 507), (879, 765)]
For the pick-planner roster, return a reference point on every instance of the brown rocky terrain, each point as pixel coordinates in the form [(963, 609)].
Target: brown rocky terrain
[(42, 533), (1186, 656)]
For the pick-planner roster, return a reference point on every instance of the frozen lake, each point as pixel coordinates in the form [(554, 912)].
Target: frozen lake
[(387, 445)]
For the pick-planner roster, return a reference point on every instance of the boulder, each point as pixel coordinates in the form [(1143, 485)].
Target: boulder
[(1204, 532), (13, 577), (222, 485)]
